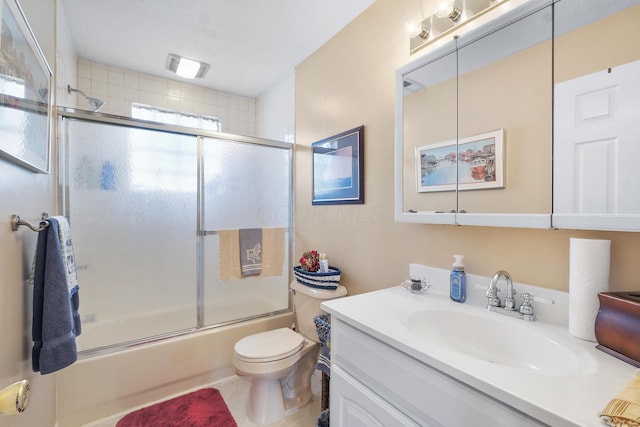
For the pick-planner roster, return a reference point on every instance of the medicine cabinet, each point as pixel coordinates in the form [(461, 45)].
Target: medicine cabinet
[(597, 115), (558, 81), (474, 135)]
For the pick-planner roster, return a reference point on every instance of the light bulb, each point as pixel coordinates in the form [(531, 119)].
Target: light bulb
[(448, 9), (413, 30)]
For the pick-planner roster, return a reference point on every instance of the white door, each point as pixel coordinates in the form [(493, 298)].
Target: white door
[(597, 143)]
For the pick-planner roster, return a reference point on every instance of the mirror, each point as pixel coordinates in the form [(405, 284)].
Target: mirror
[(475, 131), (596, 132), (504, 82), (429, 131)]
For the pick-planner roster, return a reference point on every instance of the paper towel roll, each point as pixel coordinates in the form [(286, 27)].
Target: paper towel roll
[(588, 275)]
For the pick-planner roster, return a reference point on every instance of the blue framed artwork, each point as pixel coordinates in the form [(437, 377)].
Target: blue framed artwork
[(338, 169)]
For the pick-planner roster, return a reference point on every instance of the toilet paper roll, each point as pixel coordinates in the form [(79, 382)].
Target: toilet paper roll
[(588, 275)]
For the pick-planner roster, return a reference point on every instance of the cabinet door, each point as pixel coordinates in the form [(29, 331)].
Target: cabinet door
[(353, 405), (596, 68), (473, 126)]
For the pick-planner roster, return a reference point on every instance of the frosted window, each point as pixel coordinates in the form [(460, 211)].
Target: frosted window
[(174, 117)]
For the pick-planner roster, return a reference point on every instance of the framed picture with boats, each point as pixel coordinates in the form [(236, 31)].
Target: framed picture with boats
[(474, 163)]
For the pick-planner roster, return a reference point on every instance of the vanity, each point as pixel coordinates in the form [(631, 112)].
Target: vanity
[(406, 359)]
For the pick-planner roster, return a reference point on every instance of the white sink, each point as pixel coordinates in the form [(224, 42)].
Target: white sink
[(495, 338)]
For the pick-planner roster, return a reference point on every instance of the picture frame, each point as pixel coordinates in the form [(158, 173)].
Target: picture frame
[(25, 93), (474, 163), (338, 168)]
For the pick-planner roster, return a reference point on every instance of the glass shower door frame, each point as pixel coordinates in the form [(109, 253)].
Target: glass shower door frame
[(65, 115)]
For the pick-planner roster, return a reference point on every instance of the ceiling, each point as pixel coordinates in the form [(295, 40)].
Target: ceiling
[(249, 44)]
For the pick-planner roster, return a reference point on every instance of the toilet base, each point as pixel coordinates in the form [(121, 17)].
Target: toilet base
[(267, 404), (271, 399)]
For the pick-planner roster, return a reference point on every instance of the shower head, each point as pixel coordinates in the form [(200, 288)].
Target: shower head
[(94, 103)]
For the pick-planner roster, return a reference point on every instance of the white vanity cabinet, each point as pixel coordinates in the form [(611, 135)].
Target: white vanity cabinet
[(374, 384)]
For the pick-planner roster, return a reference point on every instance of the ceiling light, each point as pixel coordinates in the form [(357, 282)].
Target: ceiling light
[(187, 68)]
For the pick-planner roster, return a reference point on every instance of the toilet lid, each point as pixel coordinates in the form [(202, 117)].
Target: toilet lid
[(269, 345)]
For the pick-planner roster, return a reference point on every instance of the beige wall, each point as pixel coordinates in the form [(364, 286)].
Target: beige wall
[(350, 82)]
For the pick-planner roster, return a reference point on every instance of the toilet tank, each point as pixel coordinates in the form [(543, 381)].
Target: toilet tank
[(306, 301)]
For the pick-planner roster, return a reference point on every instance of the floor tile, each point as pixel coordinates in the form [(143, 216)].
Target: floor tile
[(235, 391)]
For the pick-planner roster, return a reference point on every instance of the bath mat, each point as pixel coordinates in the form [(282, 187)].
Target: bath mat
[(202, 408)]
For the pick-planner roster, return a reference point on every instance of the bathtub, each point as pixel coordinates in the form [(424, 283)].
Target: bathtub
[(99, 386)]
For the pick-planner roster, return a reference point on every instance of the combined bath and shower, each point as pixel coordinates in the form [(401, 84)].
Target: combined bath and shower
[(95, 104)]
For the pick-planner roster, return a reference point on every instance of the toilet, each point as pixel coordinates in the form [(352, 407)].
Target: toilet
[(279, 363)]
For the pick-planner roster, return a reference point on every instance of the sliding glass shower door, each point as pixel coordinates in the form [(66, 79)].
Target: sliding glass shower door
[(156, 217), (245, 187)]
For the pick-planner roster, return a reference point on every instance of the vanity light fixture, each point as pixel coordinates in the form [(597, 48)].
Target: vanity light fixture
[(447, 16), (184, 67)]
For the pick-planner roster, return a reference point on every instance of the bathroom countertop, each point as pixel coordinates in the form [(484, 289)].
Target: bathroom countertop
[(565, 399)]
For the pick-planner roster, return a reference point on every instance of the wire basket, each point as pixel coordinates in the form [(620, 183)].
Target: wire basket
[(316, 279)]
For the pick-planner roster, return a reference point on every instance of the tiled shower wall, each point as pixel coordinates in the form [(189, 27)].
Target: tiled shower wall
[(120, 87)]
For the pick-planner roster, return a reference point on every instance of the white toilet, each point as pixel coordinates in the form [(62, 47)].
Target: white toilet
[(279, 363)]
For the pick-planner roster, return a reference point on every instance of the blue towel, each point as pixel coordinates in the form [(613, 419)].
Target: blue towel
[(56, 321), (323, 328)]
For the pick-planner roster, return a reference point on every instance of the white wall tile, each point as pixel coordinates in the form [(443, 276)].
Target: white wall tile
[(119, 88), (131, 81), (146, 83), (116, 76), (275, 110), (84, 70), (99, 73)]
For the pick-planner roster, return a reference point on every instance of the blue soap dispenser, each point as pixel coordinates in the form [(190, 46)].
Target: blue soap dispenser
[(458, 280)]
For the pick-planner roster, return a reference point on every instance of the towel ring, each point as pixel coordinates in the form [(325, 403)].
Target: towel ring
[(16, 222)]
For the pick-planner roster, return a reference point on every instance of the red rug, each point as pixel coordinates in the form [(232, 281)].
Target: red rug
[(202, 408)]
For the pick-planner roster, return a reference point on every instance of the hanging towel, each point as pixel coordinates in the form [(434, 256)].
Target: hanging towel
[(69, 261), (323, 328), (273, 249), (250, 251), (56, 321)]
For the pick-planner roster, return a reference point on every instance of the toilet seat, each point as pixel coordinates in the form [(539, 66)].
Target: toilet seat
[(269, 346)]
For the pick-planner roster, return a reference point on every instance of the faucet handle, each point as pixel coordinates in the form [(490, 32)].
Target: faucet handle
[(491, 293), (544, 300), (527, 309)]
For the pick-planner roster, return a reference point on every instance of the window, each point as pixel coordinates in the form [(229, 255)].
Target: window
[(174, 117)]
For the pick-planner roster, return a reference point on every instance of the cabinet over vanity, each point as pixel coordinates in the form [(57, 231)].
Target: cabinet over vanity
[(524, 121)]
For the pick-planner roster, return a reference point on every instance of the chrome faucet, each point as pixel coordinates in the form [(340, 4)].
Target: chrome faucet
[(492, 292), (525, 311)]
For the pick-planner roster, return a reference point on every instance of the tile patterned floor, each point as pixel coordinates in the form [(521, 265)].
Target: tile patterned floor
[(235, 391)]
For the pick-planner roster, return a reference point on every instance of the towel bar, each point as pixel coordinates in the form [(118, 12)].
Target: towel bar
[(16, 222)]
